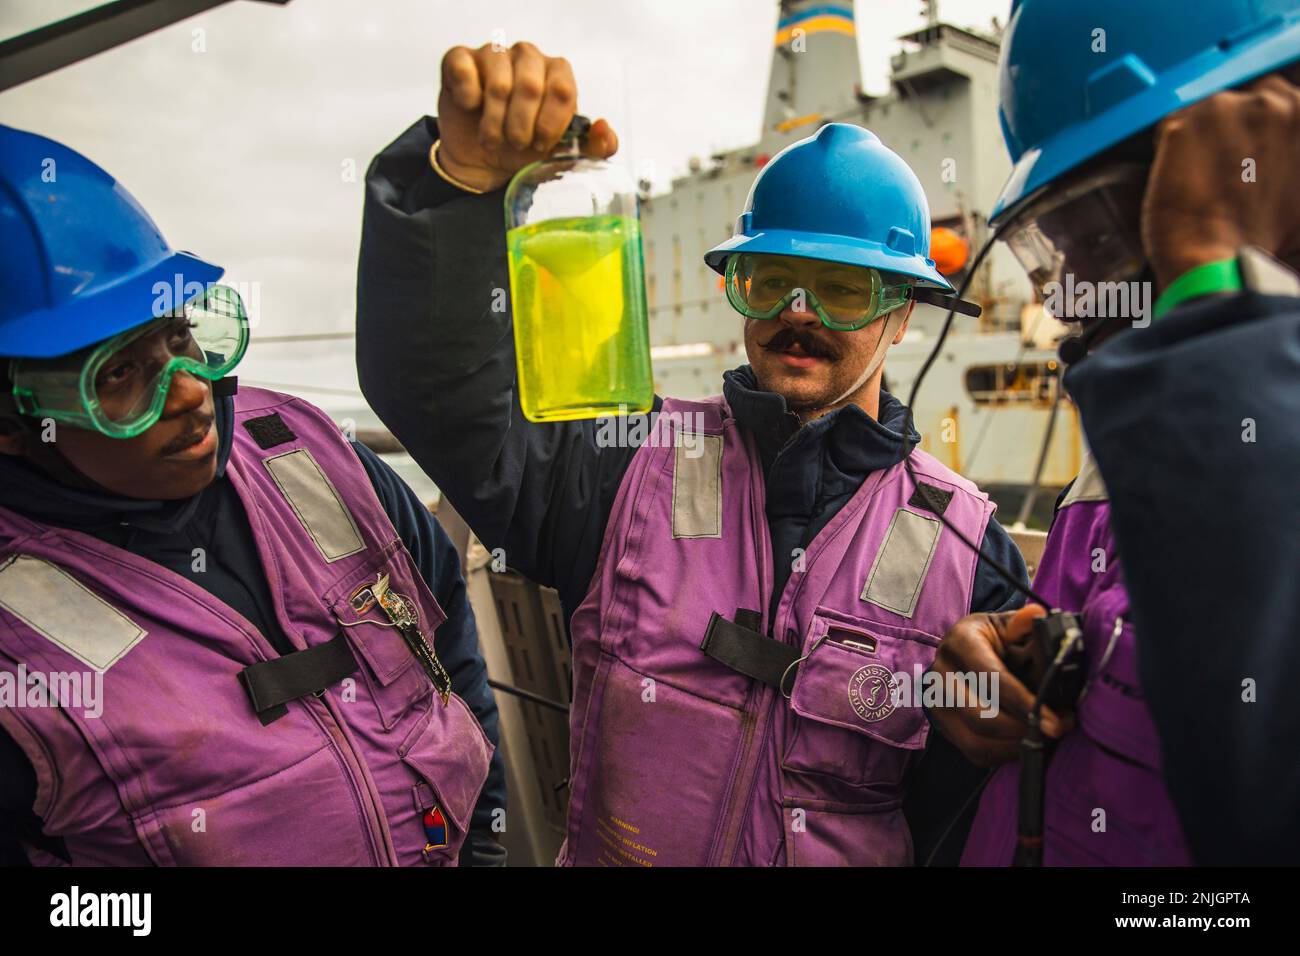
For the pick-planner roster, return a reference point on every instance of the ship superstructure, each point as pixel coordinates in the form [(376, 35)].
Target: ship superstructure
[(984, 408)]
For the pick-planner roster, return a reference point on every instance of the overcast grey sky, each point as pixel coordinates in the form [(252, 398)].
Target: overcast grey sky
[(236, 129)]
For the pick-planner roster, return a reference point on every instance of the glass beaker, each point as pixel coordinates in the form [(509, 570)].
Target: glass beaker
[(577, 285)]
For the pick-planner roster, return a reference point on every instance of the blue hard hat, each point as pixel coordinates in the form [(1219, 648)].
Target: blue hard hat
[(840, 195), (1080, 76), (82, 260)]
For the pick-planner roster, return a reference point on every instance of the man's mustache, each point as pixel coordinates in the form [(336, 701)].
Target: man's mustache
[(788, 337), (181, 442)]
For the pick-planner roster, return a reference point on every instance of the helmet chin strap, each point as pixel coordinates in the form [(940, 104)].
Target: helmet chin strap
[(893, 322)]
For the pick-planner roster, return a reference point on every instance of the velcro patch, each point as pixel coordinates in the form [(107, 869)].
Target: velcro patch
[(269, 430), (930, 498)]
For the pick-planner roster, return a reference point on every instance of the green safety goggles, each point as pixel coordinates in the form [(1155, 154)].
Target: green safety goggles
[(844, 297), (119, 386)]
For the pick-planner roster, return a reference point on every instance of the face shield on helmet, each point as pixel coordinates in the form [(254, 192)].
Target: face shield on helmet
[(1090, 230), (845, 297), (118, 387)]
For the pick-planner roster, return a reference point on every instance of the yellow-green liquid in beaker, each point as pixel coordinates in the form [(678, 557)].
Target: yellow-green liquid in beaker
[(581, 333)]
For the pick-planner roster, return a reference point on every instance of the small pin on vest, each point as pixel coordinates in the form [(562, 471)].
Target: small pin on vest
[(435, 829)]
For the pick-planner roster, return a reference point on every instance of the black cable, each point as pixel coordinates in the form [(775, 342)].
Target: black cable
[(909, 427), (947, 831), (528, 695), (934, 506), (1033, 757), (1031, 497), (1025, 341), (947, 322), (1033, 767)]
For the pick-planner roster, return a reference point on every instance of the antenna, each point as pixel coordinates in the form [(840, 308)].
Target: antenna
[(930, 9)]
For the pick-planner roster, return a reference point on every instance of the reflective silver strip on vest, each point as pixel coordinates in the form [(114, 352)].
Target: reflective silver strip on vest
[(697, 488), (1088, 486), (63, 610), (902, 562), (318, 506)]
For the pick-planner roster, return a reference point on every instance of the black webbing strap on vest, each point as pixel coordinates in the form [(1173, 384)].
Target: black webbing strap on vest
[(225, 387), (747, 650), (272, 684)]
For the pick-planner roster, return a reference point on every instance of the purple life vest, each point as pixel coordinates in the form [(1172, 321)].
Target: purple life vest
[(1106, 802), (178, 769), (679, 760)]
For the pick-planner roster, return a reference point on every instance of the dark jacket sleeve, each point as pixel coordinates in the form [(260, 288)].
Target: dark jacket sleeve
[(991, 591), (1193, 423), (17, 794), (436, 361), (456, 641)]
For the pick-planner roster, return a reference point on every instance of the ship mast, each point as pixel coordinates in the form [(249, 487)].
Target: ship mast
[(814, 73)]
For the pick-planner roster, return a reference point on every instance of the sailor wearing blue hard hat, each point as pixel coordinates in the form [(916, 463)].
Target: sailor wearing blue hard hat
[(1157, 144), (98, 316), (836, 231), (1111, 180), (138, 536), (735, 572)]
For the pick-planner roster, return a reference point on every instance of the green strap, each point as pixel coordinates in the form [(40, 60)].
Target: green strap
[(1207, 279)]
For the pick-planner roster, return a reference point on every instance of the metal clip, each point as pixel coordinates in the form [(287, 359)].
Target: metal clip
[(1105, 657), (793, 665), (403, 615)]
